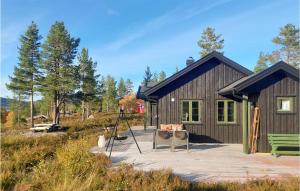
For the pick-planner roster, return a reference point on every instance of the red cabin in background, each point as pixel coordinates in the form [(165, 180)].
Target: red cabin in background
[(141, 107)]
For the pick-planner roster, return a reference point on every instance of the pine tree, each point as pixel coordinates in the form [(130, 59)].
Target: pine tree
[(210, 42), (88, 81), (155, 77), (100, 92), (121, 89), (162, 76), (110, 94), (129, 86), (61, 76), (148, 76), (28, 74), (261, 63), (289, 41)]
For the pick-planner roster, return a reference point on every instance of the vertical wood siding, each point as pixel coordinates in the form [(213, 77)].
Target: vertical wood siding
[(271, 121), (203, 84)]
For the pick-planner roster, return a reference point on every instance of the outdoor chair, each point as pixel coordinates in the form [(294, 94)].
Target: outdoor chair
[(172, 135), (180, 137), (162, 137)]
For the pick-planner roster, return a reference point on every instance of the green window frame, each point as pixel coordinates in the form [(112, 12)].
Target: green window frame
[(226, 111), (191, 111), (285, 104)]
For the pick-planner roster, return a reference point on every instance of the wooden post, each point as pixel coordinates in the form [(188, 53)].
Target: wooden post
[(146, 115), (157, 115), (245, 124), (249, 118)]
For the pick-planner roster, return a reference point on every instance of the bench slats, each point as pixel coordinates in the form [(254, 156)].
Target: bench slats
[(287, 152), (282, 135), (288, 138), (284, 140)]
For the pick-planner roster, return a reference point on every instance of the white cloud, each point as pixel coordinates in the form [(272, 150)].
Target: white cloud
[(163, 53), (176, 15)]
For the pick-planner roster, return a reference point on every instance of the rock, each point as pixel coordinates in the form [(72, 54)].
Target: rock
[(101, 141), (91, 117)]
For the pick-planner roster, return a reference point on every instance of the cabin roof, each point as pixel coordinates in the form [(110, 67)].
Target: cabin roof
[(194, 65), (247, 81)]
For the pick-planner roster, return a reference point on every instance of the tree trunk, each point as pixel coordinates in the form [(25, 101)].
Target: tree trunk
[(57, 112), (57, 115), (54, 120), (82, 107), (18, 110), (64, 109), (31, 109), (87, 111)]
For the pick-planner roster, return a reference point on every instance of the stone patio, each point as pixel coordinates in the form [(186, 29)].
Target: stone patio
[(203, 162)]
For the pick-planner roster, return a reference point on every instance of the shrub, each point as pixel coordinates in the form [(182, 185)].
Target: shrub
[(126, 178), (77, 161), (10, 120), (65, 163)]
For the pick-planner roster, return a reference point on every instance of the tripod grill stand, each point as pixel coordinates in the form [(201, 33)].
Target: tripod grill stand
[(114, 132)]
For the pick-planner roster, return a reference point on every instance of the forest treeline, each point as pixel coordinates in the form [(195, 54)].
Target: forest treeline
[(66, 79)]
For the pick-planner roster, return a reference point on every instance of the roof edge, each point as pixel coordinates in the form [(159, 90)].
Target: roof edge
[(197, 63), (281, 65)]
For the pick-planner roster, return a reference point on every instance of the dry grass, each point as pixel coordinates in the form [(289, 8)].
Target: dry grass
[(64, 163)]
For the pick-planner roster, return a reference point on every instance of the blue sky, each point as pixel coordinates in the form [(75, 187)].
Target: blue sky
[(126, 36)]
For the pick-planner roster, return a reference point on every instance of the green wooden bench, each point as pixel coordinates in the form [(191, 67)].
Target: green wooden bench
[(284, 141)]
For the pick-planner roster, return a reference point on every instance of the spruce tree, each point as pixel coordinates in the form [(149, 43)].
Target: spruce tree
[(129, 86), (27, 73), (261, 63), (88, 81), (210, 42), (121, 89), (289, 42), (61, 76), (162, 76), (148, 76)]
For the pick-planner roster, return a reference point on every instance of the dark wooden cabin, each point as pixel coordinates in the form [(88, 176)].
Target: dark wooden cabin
[(207, 96), (276, 92)]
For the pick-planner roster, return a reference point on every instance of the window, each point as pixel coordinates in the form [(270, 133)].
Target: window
[(191, 111), (285, 104), (226, 111)]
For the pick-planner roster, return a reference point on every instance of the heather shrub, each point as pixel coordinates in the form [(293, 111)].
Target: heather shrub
[(126, 178), (64, 163), (77, 161)]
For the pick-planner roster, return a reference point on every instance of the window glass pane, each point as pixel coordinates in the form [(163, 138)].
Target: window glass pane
[(185, 111), (195, 111), (284, 104), (230, 111), (220, 111)]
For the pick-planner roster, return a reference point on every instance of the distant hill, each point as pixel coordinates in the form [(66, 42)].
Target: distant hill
[(5, 103)]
